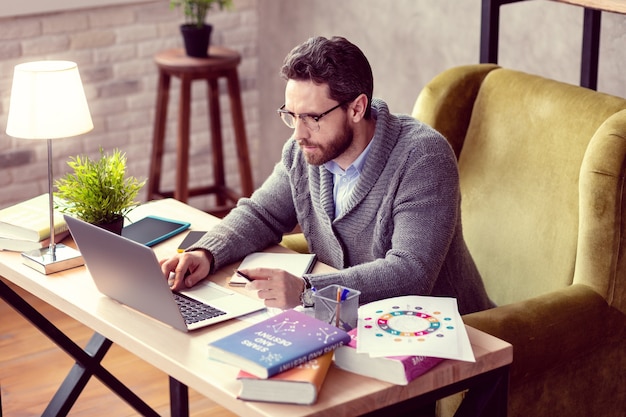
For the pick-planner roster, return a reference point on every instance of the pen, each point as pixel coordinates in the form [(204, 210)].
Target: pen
[(338, 307), (241, 274)]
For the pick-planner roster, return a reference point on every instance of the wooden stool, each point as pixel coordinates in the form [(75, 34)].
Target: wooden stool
[(221, 62)]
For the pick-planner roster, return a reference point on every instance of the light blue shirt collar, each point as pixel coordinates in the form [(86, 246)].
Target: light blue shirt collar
[(345, 181)]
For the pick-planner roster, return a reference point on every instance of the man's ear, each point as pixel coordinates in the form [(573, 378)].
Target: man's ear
[(356, 110)]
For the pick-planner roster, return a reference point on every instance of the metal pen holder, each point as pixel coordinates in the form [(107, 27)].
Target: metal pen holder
[(338, 306)]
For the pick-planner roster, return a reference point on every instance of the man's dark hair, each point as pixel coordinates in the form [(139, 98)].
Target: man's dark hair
[(336, 62)]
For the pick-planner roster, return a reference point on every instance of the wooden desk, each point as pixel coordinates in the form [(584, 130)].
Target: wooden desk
[(490, 26), (183, 355)]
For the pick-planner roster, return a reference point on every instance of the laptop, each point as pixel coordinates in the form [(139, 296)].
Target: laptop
[(130, 273)]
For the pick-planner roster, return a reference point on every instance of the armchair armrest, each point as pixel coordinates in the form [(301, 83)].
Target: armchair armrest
[(545, 331), (295, 242)]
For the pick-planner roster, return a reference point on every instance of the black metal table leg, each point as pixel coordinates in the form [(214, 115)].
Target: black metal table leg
[(590, 49), (77, 379), (488, 395), (179, 399), (490, 28), (489, 31), (87, 361)]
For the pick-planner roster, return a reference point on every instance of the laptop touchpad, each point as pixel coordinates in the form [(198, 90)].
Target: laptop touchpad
[(207, 291)]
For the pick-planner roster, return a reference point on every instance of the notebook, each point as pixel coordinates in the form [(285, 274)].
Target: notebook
[(129, 272), (294, 263)]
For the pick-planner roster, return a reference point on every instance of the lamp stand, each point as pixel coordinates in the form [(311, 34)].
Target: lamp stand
[(55, 257)]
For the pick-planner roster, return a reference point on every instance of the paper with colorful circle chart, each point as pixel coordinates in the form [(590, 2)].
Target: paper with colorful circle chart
[(413, 325)]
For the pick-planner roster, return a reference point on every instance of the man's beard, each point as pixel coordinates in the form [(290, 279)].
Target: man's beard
[(331, 150)]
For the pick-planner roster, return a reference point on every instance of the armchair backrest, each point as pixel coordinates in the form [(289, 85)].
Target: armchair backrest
[(542, 173)]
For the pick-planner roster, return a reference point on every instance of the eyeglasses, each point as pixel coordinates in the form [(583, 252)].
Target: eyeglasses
[(311, 121)]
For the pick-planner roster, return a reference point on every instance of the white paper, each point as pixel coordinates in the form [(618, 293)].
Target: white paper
[(414, 325), (294, 263)]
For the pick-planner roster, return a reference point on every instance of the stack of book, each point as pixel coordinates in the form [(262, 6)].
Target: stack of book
[(284, 358), (399, 370), (400, 338), (26, 226), (299, 385)]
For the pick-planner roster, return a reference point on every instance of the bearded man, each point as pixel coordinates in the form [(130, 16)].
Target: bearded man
[(375, 194)]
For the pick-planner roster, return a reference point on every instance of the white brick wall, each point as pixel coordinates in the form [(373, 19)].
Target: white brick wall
[(407, 42), (113, 47)]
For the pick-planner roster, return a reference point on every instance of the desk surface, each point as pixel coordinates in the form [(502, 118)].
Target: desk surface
[(183, 355), (616, 6)]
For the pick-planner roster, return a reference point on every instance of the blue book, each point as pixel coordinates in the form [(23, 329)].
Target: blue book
[(278, 343)]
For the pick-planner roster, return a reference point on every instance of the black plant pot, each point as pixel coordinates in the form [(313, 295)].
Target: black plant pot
[(115, 226), (197, 40)]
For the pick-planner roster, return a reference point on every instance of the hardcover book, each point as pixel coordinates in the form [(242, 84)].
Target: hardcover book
[(299, 385), (399, 370), (30, 220), (21, 245), (278, 343)]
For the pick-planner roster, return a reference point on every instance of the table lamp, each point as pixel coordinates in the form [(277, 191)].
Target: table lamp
[(48, 102)]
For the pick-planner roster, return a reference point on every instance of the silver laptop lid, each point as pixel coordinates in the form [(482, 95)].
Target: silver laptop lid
[(126, 271)]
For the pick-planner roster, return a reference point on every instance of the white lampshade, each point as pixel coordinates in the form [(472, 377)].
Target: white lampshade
[(48, 101)]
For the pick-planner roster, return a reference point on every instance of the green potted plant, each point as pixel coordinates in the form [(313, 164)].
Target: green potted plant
[(196, 32), (98, 190)]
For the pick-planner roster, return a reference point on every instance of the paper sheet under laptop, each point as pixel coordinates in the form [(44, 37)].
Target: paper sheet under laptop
[(294, 263)]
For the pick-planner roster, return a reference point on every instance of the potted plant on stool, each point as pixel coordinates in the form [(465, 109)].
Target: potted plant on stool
[(196, 32), (98, 191)]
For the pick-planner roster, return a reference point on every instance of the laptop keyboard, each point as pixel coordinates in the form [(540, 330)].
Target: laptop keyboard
[(194, 311)]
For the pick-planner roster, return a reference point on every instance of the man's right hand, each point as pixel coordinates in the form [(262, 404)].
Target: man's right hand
[(188, 268)]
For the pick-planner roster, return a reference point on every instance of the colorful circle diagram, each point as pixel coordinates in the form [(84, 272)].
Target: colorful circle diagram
[(408, 323), (413, 326), (411, 322)]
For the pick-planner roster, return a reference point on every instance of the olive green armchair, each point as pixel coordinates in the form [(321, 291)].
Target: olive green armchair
[(542, 167)]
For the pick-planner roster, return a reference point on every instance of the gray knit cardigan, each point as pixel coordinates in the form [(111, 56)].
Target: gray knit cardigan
[(400, 233)]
